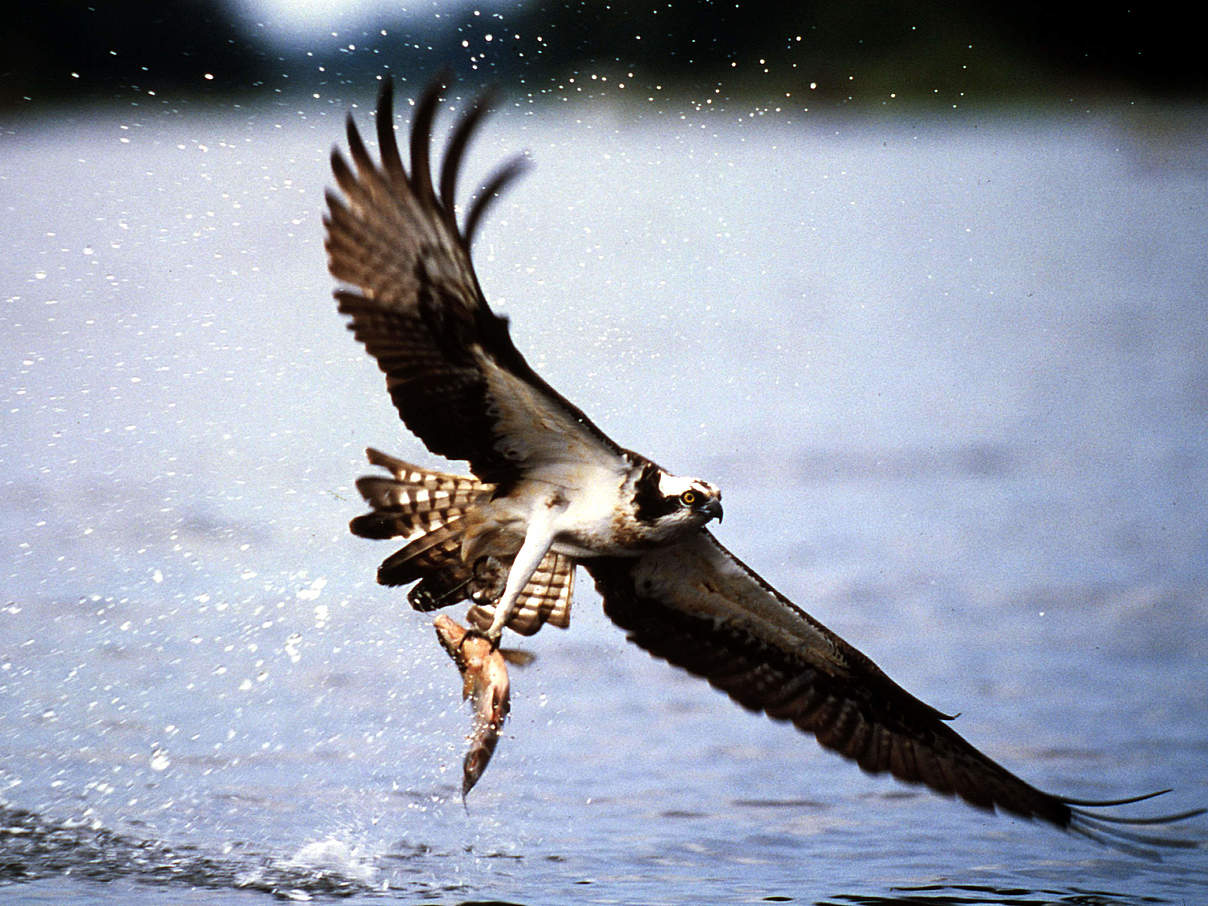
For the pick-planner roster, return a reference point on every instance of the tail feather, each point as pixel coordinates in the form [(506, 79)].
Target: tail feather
[(414, 501), (380, 526), (545, 599), (426, 509), (438, 550), (429, 511)]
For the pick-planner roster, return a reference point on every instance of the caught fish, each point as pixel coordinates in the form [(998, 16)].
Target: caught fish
[(484, 675)]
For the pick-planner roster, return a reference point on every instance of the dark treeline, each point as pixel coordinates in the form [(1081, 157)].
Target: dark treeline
[(855, 50)]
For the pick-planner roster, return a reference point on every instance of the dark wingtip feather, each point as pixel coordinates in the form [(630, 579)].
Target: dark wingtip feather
[(343, 173), (490, 193), (1145, 846), (1081, 808), (356, 147), (335, 206), (1108, 803), (1112, 830), (456, 147), (1148, 821), (421, 138), (392, 163)]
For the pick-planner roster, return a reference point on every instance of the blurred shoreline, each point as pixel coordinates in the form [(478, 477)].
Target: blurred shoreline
[(836, 55)]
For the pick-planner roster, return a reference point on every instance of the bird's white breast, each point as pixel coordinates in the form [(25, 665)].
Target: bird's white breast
[(581, 502)]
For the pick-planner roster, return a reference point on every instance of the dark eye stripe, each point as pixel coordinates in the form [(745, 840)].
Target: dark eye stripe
[(649, 501)]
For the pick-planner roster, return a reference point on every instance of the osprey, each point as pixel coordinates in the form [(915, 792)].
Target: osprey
[(550, 491)]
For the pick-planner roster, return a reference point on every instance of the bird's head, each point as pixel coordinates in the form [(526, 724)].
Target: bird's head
[(696, 498), (671, 504)]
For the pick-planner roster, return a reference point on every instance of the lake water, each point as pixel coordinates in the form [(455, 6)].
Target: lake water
[(951, 372)]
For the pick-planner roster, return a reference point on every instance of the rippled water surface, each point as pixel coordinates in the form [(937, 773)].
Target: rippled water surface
[(952, 375)]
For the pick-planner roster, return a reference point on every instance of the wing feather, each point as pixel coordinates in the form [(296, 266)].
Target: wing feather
[(392, 163), (414, 301), (421, 138), (697, 606), (459, 139)]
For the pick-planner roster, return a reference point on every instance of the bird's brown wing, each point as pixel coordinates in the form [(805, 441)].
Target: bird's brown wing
[(697, 606), (413, 298)]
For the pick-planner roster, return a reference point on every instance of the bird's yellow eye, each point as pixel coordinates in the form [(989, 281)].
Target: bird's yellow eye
[(688, 498)]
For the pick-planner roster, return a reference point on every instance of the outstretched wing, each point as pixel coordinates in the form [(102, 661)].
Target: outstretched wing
[(696, 605), (451, 368)]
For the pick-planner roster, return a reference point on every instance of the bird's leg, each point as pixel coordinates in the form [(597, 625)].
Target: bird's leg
[(536, 543)]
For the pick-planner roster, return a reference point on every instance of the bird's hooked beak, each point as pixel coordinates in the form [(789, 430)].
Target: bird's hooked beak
[(712, 508)]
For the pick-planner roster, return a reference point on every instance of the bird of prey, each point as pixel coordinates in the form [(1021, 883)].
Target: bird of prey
[(549, 491)]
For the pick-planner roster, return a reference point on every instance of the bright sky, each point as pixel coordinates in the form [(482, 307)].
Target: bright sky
[(286, 20)]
